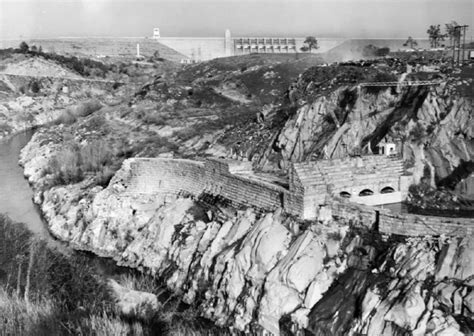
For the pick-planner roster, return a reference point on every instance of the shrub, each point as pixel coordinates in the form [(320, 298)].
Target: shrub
[(24, 47), (69, 116), (70, 296), (87, 108), (48, 292), (417, 133), (335, 235), (73, 162), (20, 317), (34, 86), (66, 117), (96, 122)]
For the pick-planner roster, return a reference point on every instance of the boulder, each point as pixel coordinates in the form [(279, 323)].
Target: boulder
[(132, 303), (456, 260), (406, 313)]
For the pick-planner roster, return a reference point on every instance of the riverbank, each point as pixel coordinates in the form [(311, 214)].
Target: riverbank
[(44, 292)]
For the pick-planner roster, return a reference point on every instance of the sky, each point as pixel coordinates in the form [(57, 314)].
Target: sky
[(321, 18)]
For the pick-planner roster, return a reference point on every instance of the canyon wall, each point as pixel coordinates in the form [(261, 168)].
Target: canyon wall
[(432, 127), (251, 270)]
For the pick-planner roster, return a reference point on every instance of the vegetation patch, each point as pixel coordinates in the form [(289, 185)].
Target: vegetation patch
[(74, 162), (47, 292), (70, 115)]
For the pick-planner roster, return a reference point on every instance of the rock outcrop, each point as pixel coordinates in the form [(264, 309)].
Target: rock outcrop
[(434, 130), (132, 303), (259, 271), (251, 271)]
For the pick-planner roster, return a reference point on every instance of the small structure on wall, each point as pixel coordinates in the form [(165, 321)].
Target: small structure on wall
[(387, 148)]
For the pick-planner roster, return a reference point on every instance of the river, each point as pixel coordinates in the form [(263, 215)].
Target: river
[(15, 192)]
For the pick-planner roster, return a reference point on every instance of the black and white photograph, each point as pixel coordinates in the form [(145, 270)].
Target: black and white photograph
[(237, 167)]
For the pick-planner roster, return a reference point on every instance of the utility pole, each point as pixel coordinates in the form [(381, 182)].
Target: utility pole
[(460, 32), (464, 42)]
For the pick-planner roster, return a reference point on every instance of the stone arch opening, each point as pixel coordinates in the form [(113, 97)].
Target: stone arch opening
[(366, 192), (387, 190), (345, 194)]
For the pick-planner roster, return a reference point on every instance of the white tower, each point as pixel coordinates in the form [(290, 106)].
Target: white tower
[(229, 48), (156, 33), (138, 50)]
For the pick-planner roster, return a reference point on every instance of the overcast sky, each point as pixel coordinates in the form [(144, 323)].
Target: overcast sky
[(321, 18)]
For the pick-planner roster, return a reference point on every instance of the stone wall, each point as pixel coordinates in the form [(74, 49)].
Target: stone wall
[(349, 176), (161, 176), (418, 225), (233, 181), (405, 224), (214, 177)]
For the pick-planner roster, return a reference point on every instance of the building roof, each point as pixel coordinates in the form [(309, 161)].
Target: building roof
[(334, 170)]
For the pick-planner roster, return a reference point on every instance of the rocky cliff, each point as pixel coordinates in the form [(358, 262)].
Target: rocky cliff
[(433, 126), (255, 271), (329, 113)]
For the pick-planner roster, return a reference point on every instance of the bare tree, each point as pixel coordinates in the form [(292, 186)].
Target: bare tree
[(410, 42)]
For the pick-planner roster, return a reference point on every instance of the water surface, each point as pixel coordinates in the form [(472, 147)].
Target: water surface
[(15, 192)]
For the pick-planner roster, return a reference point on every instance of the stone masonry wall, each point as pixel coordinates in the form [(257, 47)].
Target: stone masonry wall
[(316, 180), (161, 176), (388, 222), (351, 175), (175, 176), (418, 225)]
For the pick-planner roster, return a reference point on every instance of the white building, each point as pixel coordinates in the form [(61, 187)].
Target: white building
[(387, 148)]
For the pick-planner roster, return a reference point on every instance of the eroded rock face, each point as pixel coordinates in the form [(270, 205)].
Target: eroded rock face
[(433, 128), (420, 295), (239, 268), (248, 270)]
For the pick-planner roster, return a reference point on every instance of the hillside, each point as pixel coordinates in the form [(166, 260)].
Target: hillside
[(99, 48), (352, 49), (246, 268)]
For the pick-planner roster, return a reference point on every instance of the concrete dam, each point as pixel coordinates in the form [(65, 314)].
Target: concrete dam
[(206, 48)]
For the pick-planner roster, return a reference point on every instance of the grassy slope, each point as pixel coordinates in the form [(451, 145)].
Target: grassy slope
[(47, 292), (117, 48)]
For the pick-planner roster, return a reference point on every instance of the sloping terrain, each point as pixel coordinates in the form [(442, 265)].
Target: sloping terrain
[(253, 270), (38, 67), (352, 49), (101, 48), (328, 115)]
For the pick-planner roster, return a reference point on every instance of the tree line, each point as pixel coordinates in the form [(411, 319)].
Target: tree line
[(436, 35)]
